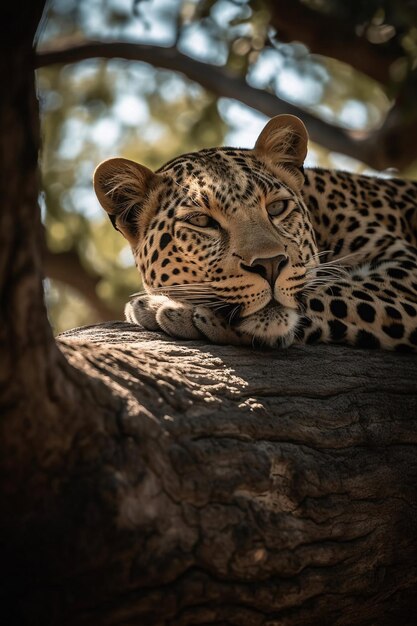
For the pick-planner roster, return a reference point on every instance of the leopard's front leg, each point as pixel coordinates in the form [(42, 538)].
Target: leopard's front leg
[(272, 326), (374, 307), (182, 320), (162, 313)]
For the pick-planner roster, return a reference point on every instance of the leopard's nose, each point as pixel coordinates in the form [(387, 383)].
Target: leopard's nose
[(269, 268)]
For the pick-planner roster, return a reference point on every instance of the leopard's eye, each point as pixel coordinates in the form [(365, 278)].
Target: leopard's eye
[(278, 207), (202, 220), (199, 219)]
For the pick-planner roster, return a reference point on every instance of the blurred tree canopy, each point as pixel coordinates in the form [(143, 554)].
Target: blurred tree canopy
[(150, 79)]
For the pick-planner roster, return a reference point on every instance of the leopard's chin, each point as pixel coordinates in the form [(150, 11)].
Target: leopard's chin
[(274, 325)]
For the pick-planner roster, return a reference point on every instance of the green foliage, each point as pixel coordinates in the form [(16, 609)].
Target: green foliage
[(96, 109)]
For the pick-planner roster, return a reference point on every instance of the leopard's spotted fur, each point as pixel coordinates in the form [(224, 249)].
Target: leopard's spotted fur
[(238, 245)]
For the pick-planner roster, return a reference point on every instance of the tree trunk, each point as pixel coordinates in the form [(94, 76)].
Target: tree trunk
[(217, 485), (152, 481)]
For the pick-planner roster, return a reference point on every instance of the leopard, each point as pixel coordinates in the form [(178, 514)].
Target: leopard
[(247, 246)]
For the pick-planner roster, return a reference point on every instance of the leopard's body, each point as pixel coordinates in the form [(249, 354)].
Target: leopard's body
[(240, 245)]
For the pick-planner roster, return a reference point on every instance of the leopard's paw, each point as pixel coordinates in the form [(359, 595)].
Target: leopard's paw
[(217, 330), (162, 313), (142, 310), (176, 319)]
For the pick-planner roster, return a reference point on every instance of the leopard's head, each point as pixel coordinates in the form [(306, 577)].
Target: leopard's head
[(219, 226)]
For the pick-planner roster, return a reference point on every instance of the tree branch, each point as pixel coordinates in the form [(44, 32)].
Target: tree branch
[(223, 83), (207, 484), (216, 79), (328, 36)]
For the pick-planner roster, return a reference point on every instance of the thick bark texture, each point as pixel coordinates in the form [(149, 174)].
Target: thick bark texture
[(207, 484)]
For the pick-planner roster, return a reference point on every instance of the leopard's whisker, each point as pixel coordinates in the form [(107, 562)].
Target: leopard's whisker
[(297, 332), (138, 293), (210, 304), (234, 312), (327, 266), (183, 290), (318, 282), (329, 271), (205, 285), (339, 260), (319, 254)]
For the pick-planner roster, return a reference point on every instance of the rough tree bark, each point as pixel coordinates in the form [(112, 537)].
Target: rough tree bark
[(241, 487), (151, 481), (196, 484)]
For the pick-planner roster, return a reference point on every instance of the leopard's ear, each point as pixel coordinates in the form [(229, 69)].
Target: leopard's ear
[(121, 187), (284, 142)]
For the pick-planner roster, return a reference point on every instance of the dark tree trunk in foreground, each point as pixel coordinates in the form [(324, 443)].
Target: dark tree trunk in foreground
[(149, 481), (186, 483)]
